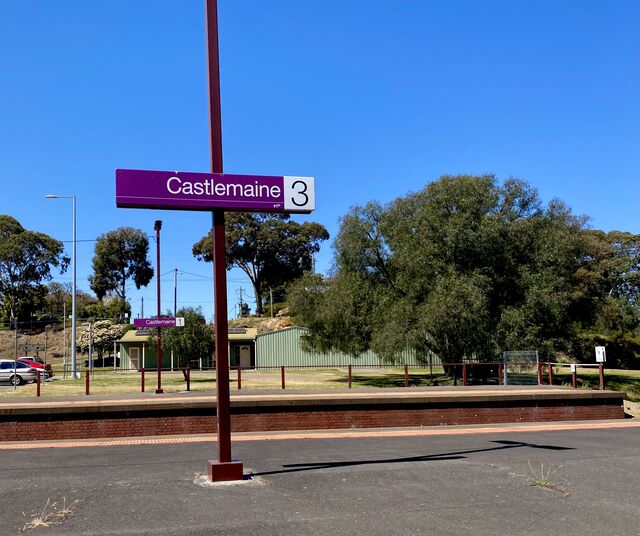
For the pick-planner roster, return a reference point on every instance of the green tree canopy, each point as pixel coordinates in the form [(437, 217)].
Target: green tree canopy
[(26, 259), (191, 342), (466, 266), (271, 249), (120, 256)]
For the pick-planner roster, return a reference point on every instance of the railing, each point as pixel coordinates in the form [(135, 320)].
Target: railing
[(551, 377), (101, 381)]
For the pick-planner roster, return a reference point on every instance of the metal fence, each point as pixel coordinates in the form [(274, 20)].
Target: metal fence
[(103, 381)]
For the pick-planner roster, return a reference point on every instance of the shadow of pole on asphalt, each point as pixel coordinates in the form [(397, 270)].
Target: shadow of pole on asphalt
[(504, 444)]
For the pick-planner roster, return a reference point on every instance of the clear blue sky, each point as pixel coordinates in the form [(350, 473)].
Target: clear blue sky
[(373, 98)]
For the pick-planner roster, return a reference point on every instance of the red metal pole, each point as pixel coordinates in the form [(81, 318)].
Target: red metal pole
[(223, 468), (464, 374), (406, 375), (550, 373), (282, 377), (188, 378), (500, 374), (239, 378), (601, 370), (38, 383), (157, 226), (350, 376), (142, 380), (86, 381)]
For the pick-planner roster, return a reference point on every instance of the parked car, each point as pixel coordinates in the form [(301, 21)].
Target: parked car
[(38, 363), (16, 372)]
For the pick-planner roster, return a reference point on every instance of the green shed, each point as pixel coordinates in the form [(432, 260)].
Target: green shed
[(283, 348), (138, 350)]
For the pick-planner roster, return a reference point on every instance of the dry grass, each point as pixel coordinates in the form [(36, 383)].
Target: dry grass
[(51, 514), (107, 382)]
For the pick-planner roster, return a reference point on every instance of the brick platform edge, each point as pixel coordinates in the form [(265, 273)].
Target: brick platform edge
[(266, 416)]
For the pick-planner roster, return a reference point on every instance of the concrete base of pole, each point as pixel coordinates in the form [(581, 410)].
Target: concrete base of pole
[(159, 391), (224, 471)]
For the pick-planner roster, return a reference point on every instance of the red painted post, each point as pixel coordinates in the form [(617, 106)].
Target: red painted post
[(38, 383), (464, 374), (282, 377), (239, 378), (157, 226), (500, 374), (189, 378), (539, 373), (142, 380), (350, 376), (406, 375), (87, 379), (223, 468), (601, 370), (550, 373), (574, 377)]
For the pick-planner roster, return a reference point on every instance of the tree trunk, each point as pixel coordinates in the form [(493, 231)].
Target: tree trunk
[(124, 300), (257, 292)]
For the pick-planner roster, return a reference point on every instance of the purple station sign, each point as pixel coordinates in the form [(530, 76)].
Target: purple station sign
[(159, 322), (180, 190)]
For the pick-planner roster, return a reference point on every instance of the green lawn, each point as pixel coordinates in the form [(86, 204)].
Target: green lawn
[(106, 381), (615, 380)]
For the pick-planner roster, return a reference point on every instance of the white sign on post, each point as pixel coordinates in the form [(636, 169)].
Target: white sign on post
[(601, 354), (299, 194)]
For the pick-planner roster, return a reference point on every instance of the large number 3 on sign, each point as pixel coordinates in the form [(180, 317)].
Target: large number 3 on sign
[(299, 193)]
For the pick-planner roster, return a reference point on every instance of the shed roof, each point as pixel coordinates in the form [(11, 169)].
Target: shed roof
[(143, 335), (135, 335), (249, 334)]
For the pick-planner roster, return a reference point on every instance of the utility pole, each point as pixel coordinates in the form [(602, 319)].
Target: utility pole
[(175, 292), (142, 307), (241, 310)]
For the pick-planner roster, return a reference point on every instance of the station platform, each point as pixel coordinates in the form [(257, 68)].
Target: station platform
[(148, 414)]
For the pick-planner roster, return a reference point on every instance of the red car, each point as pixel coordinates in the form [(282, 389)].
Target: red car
[(38, 364)]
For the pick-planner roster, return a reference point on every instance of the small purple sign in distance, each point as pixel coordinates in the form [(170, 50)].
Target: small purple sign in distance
[(180, 190), (159, 322)]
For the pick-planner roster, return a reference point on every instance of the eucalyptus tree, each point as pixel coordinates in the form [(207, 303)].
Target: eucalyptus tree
[(466, 266), (271, 250), (120, 255), (26, 260)]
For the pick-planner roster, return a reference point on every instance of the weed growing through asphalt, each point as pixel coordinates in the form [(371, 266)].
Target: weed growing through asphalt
[(542, 479), (52, 514)]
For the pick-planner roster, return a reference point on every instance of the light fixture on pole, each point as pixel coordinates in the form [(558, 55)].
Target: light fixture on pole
[(74, 370)]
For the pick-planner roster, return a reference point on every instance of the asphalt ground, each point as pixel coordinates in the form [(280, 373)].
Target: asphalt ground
[(475, 482)]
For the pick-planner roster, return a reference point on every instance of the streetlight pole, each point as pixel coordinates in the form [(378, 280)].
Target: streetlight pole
[(74, 372), (157, 226)]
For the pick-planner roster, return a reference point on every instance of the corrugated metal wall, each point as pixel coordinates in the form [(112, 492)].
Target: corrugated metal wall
[(282, 348)]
